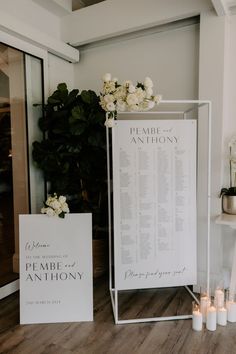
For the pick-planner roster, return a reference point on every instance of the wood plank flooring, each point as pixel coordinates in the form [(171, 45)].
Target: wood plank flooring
[(104, 337)]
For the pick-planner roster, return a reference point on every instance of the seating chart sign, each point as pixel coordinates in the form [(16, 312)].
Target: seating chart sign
[(154, 181), (56, 268)]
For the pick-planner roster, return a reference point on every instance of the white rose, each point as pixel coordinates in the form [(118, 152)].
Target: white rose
[(133, 108), (65, 208), (143, 106), (120, 93), (132, 99), (50, 212), (55, 204), (157, 99), (109, 98), (62, 199), (115, 79), (151, 104), (110, 107), (148, 82), (109, 123), (102, 103), (149, 92), (131, 89), (58, 211), (49, 200), (127, 83), (109, 87), (43, 210), (140, 94), (121, 106), (106, 77)]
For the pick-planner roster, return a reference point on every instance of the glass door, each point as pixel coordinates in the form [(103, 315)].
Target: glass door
[(16, 115)]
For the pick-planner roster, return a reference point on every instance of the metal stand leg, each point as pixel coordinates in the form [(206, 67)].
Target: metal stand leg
[(115, 307)]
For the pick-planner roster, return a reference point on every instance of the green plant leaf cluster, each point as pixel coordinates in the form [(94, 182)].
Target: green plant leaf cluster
[(72, 154), (228, 191)]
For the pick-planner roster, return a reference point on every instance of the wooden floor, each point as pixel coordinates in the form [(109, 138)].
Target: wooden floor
[(103, 336)]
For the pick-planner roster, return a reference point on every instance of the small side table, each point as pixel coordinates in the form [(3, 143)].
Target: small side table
[(230, 220)]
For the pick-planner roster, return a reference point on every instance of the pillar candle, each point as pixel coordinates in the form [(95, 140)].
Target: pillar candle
[(197, 321), (211, 318), (231, 310), (222, 316), (219, 298), (204, 303)]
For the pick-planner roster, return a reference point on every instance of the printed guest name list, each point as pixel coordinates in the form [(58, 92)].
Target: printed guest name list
[(154, 178)]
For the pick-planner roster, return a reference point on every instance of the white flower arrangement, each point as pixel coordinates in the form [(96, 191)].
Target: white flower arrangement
[(126, 97), (55, 206)]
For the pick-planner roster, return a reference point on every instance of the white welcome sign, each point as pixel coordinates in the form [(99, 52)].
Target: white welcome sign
[(56, 268), (154, 182)]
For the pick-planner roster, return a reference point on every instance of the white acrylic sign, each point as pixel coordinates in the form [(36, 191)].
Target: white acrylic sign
[(154, 179), (56, 268)]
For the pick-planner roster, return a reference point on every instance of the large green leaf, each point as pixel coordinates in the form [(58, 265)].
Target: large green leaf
[(95, 139), (78, 113), (62, 87), (59, 96), (89, 97), (53, 101), (77, 127), (71, 99)]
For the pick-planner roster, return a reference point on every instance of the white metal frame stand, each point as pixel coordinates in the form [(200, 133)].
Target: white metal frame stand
[(114, 293)]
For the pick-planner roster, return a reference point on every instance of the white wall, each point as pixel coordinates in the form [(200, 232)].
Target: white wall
[(229, 130), (230, 121), (212, 68), (35, 25), (170, 58), (114, 17), (32, 14), (59, 71), (217, 81)]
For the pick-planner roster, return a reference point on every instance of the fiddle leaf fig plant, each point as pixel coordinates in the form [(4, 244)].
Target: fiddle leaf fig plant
[(72, 153)]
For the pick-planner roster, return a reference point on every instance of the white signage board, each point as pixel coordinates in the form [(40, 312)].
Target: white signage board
[(56, 268), (154, 179)]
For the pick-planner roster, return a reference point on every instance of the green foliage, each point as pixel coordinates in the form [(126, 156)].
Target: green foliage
[(72, 154), (228, 191)]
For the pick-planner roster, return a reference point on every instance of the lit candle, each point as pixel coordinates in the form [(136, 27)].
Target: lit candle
[(197, 321), (211, 318), (231, 310), (219, 298), (197, 318), (204, 304), (222, 316)]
